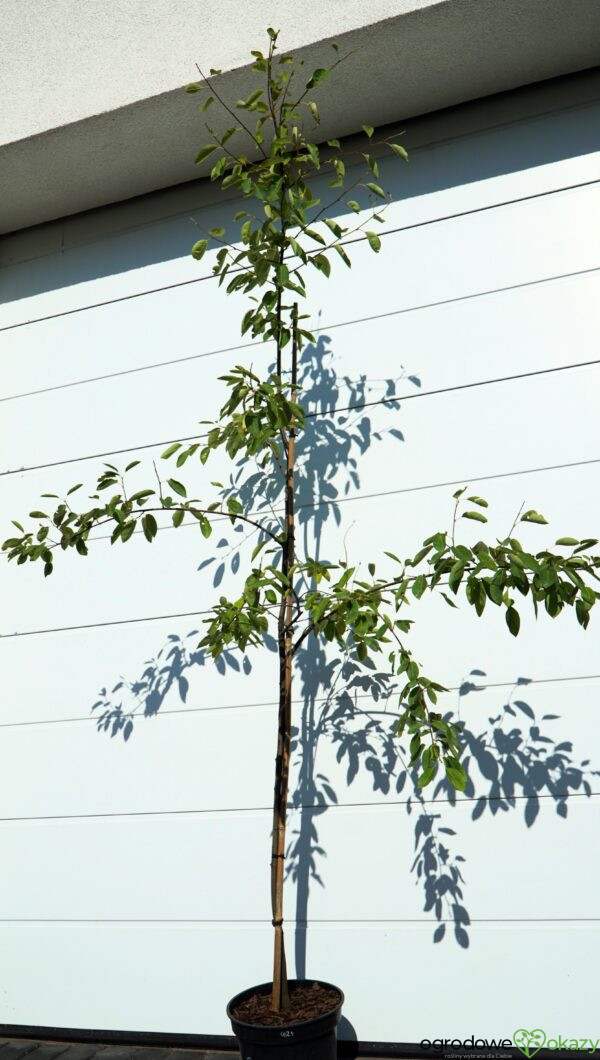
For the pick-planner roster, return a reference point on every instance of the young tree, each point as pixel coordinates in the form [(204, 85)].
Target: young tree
[(269, 159)]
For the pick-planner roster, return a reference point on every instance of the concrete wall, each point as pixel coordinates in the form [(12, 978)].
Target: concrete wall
[(93, 110)]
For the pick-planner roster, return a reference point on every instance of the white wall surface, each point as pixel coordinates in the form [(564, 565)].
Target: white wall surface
[(154, 48), (134, 887)]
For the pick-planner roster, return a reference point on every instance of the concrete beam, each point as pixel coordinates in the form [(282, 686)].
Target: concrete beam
[(115, 123)]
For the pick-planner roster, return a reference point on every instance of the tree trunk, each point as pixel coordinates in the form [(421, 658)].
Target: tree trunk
[(281, 1001)]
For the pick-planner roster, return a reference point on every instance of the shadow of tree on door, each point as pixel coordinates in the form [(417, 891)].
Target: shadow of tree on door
[(513, 763), (349, 705)]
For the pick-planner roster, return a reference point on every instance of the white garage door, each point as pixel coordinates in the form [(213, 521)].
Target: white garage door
[(134, 879)]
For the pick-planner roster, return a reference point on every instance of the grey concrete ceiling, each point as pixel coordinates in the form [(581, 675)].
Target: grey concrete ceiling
[(423, 57)]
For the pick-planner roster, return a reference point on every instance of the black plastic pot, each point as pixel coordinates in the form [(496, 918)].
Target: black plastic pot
[(310, 1040)]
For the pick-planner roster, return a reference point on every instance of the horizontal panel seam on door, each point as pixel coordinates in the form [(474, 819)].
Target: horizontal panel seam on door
[(317, 331), (384, 804), (265, 922), (272, 704), (333, 411), (426, 145), (384, 235)]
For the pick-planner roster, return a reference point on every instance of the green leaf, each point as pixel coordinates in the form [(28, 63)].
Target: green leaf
[(567, 541), (207, 103), (216, 232), (343, 255), (583, 614), (369, 130), (374, 241), (533, 517), (219, 167), (247, 320), (420, 555), (258, 548), (588, 542), (172, 449), (372, 164), (513, 620), (312, 232), (334, 227), (455, 576), (322, 264), (199, 249), (252, 98), (149, 527), (194, 87), (479, 500), (37, 515), (456, 774), (204, 152), (448, 600), (177, 487), (427, 776), (478, 516), (419, 586), (546, 576), (376, 190), (282, 273), (178, 517), (205, 526), (463, 553), (399, 150), (317, 76), (314, 110)]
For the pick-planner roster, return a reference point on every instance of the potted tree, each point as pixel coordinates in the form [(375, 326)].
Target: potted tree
[(269, 159)]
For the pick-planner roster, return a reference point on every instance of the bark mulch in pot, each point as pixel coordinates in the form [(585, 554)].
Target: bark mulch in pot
[(307, 1002)]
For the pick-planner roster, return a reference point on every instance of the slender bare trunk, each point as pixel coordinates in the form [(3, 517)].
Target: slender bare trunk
[(281, 999)]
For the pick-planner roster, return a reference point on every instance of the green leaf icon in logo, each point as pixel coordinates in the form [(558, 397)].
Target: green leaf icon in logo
[(529, 1042)]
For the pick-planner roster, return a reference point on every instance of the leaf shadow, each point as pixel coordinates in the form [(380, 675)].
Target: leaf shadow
[(116, 711), (510, 769)]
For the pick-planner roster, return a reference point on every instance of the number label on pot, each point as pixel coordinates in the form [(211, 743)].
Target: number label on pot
[(286, 1034)]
